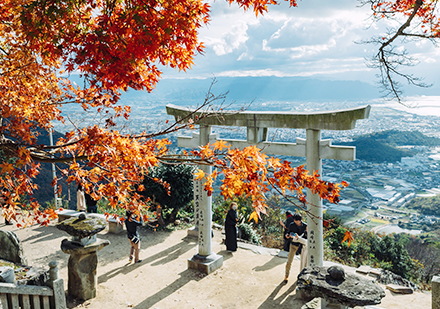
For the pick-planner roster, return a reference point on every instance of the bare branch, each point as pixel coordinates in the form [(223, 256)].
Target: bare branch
[(388, 60)]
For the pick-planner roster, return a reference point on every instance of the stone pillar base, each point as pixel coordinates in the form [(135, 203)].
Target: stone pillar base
[(82, 268), (205, 264), (435, 292), (82, 280)]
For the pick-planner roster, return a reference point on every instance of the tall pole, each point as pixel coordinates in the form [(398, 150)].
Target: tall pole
[(54, 173), (205, 211), (314, 203)]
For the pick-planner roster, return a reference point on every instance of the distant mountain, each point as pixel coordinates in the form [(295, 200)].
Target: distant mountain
[(262, 89), (381, 146), (368, 149), (405, 138)]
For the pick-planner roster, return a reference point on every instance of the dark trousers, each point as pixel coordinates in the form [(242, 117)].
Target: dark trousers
[(92, 209), (286, 246)]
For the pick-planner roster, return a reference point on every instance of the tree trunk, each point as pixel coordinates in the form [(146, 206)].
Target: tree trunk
[(173, 215), (160, 218)]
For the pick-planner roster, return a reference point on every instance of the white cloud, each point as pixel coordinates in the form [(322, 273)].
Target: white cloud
[(230, 40), (315, 39), (244, 56)]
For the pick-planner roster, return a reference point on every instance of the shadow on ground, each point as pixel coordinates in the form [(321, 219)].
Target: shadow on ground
[(285, 300), (185, 277), (161, 258), (274, 262)]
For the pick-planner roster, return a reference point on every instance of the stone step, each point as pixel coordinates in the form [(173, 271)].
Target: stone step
[(364, 269), (399, 289)]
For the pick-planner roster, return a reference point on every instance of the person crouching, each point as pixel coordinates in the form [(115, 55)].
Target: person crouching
[(132, 224)]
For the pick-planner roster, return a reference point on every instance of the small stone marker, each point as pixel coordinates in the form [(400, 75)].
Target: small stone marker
[(7, 274), (399, 289)]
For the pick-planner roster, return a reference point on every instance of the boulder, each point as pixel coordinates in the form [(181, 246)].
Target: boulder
[(351, 290), (11, 248)]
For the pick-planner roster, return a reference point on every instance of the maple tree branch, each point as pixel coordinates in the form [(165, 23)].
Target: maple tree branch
[(387, 60)]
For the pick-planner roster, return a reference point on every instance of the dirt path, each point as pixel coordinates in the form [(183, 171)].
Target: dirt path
[(162, 280)]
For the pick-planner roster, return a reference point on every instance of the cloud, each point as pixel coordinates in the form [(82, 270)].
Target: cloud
[(318, 38), (230, 40), (321, 68)]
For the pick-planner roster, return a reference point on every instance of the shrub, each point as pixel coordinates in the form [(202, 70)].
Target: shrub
[(180, 179), (249, 234)]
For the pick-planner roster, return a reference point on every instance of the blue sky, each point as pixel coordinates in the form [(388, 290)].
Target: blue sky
[(315, 39)]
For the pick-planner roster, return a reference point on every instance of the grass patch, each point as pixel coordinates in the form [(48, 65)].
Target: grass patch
[(375, 220)]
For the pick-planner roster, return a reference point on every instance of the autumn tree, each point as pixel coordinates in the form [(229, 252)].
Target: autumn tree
[(118, 45)]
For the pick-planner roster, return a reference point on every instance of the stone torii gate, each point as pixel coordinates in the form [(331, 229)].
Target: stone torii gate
[(257, 124)]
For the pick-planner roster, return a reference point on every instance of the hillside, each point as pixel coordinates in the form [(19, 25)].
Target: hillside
[(426, 205), (381, 147), (404, 138)]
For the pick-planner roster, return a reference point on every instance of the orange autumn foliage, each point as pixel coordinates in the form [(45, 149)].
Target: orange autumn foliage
[(115, 46), (348, 236)]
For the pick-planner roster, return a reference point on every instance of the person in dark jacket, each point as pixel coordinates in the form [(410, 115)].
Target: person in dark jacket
[(132, 223), (231, 228), (285, 224), (90, 203), (3, 193), (298, 236)]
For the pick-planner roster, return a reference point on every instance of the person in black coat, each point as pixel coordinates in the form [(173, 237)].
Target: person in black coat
[(231, 228), (132, 223), (90, 203), (285, 224)]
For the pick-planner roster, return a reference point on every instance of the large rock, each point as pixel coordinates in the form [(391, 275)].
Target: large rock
[(11, 248), (349, 290)]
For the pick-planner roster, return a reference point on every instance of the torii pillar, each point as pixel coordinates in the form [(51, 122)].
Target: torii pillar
[(313, 148)]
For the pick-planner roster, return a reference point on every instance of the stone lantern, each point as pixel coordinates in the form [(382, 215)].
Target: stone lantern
[(83, 248)]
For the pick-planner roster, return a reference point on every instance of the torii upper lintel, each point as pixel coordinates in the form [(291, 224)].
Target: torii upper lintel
[(327, 120)]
